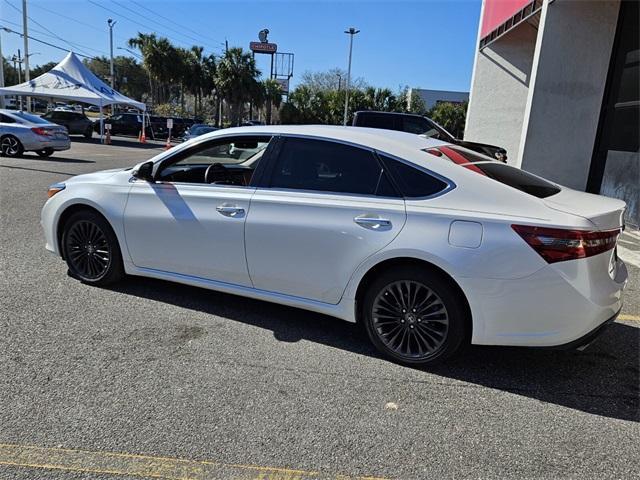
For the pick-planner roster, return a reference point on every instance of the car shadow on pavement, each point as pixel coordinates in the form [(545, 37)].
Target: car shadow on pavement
[(601, 380), (131, 142), (54, 158)]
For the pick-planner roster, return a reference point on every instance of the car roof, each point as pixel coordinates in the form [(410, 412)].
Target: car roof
[(379, 112), (376, 138)]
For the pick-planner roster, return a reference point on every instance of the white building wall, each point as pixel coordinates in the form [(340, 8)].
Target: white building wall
[(566, 89), (500, 90)]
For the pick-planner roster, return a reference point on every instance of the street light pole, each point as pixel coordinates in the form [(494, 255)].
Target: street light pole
[(1, 73), (352, 31), (111, 23), (25, 35)]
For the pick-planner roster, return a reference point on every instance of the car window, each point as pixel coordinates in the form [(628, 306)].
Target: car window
[(413, 182), (29, 117), (227, 152), (416, 125), (375, 120), (505, 174), (6, 119), (309, 164)]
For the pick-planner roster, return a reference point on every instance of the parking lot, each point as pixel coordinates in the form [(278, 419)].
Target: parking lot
[(153, 379)]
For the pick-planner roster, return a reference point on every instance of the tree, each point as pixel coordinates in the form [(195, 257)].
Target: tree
[(333, 79), (451, 116), (236, 79), (272, 96)]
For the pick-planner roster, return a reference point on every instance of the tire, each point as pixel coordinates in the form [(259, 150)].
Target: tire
[(45, 152), (91, 249), (88, 133), (11, 147), (414, 316)]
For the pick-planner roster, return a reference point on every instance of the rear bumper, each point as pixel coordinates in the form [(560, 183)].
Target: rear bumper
[(36, 142), (558, 306), (589, 337)]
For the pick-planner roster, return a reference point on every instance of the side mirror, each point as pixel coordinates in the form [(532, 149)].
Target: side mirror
[(144, 172)]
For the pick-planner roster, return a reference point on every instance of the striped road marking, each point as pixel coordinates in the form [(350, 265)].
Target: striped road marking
[(629, 318), (147, 466)]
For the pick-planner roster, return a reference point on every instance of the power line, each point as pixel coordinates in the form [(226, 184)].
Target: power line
[(155, 21), (42, 33), (53, 34), (130, 20), (172, 21), (80, 22), (7, 29)]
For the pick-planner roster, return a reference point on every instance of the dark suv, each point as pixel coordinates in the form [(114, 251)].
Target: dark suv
[(418, 124), (74, 122), (123, 124)]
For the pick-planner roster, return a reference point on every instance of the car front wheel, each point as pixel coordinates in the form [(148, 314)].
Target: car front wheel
[(414, 316), (10, 146), (91, 249)]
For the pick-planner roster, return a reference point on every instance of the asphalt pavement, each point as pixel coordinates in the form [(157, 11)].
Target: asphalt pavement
[(158, 380)]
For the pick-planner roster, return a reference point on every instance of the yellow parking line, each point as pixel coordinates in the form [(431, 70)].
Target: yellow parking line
[(145, 466), (629, 318)]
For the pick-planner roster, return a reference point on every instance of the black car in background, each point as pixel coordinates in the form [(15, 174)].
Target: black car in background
[(421, 125), (123, 124), (74, 122)]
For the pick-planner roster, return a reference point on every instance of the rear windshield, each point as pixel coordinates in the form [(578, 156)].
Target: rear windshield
[(29, 117), (511, 176)]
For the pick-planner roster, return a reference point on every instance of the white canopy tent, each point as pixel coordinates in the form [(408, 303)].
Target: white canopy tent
[(72, 80)]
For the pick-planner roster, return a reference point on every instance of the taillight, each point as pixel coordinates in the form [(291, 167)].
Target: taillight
[(42, 131), (558, 245)]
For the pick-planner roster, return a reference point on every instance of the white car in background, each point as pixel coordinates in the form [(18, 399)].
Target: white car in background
[(427, 244)]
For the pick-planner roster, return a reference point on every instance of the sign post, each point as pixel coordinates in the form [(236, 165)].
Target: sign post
[(169, 127)]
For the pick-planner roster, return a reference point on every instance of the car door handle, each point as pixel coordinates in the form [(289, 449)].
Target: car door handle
[(230, 210), (373, 223)]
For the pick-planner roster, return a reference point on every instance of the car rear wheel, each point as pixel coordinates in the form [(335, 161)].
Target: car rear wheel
[(45, 152), (414, 316), (10, 146), (91, 249)]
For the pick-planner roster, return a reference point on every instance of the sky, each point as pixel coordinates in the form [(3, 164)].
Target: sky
[(422, 44)]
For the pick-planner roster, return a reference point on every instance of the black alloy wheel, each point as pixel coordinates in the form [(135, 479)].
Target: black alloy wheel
[(91, 249), (414, 316), (10, 146)]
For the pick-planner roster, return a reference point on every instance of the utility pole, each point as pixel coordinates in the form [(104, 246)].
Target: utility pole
[(19, 60), (25, 35), (339, 81), (1, 73), (111, 23), (351, 32)]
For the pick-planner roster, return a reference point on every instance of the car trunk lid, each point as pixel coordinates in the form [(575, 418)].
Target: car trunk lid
[(604, 212)]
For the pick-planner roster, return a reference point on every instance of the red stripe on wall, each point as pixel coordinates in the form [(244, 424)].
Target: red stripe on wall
[(496, 12)]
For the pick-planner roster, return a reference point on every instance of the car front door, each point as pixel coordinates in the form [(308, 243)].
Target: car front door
[(179, 224), (322, 209)]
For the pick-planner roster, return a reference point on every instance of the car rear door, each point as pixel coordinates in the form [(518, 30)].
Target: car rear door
[(322, 208)]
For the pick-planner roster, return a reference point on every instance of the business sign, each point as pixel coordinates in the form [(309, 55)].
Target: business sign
[(263, 47), (284, 85)]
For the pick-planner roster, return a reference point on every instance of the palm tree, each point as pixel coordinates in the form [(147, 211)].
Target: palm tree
[(236, 79), (272, 95)]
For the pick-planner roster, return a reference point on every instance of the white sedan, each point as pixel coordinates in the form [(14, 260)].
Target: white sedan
[(428, 245)]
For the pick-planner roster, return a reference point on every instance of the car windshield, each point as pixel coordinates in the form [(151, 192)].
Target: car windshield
[(438, 132), (28, 117)]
